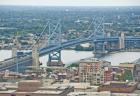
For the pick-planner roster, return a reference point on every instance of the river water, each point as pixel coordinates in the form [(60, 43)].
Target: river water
[(71, 56)]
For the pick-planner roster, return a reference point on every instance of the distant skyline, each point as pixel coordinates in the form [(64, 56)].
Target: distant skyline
[(72, 2)]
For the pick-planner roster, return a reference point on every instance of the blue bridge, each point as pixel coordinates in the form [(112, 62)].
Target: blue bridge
[(101, 44), (26, 60)]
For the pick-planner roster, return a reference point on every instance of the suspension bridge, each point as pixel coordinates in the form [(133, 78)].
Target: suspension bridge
[(52, 44)]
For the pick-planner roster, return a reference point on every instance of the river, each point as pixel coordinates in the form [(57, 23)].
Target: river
[(70, 56)]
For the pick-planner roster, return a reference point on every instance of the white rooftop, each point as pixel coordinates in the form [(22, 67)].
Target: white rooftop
[(75, 85), (8, 91), (47, 92), (105, 93)]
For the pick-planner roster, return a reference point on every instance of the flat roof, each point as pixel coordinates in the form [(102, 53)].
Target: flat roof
[(47, 92), (8, 91), (92, 60), (119, 82), (76, 85), (103, 93), (124, 94), (126, 65), (55, 87), (17, 92), (29, 81)]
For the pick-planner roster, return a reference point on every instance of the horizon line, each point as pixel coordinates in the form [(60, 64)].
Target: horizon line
[(72, 5)]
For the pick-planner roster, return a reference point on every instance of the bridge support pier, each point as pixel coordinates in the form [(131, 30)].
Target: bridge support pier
[(35, 56), (54, 59), (14, 52), (15, 47), (101, 51), (122, 41)]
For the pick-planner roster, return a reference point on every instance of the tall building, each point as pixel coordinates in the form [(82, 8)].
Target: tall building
[(95, 71), (136, 71)]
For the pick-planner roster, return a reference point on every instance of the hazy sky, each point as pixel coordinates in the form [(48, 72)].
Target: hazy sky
[(72, 2)]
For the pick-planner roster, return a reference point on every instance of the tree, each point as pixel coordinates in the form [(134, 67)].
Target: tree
[(78, 47), (73, 65), (127, 75)]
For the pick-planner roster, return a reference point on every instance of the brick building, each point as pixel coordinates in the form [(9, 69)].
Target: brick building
[(35, 88), (118, 87), (95, 71)]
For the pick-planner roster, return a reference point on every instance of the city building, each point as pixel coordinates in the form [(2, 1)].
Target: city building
[(127, 66), (34, 88), (118, 87), (105, 93), (95, 71), (137, 72), (117, 73), (8, 75), (78, 87), (127, 70)]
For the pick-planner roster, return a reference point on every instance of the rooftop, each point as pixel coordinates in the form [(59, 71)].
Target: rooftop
[(126, 64), (55, 87), (92, 60), (30, 81), (118, 82), (105, 93), (75, 85), (47, 92), (136, 61), (8, 91)]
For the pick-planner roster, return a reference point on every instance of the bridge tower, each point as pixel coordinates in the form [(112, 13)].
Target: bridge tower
[(14, 51), (122, 41), (98, 32), (15, 47), (106, 43), (35, 56), (108, 34), (55, 59), (55, 39)]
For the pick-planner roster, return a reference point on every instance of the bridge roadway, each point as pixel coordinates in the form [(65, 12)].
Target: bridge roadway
[(26, 59), (64, 45)]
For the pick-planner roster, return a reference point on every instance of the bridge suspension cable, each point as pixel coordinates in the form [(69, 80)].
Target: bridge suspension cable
[(98, 27), (50, 34)]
